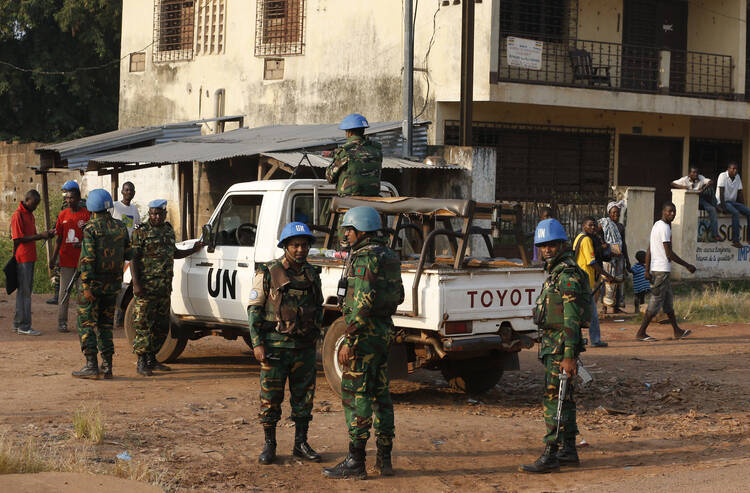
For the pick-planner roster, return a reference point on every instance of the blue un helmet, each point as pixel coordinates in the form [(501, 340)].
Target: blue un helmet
[(355, 120), (293, 230), (99, 200), (362, 218), (549, 230), (69, 185)]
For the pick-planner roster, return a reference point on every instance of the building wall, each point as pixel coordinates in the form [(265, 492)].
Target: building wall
[(16, 179), (598, 20)]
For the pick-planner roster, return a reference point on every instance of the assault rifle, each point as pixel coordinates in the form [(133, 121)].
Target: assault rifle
[(69, 287)]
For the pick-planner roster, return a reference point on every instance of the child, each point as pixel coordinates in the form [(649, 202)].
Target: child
[(641, 286)]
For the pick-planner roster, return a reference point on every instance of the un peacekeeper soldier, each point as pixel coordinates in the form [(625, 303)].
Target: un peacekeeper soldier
[(561, 310), (357, 163), (55, 272), (153, 251), (104, 248), (374, 290), (285, 315)]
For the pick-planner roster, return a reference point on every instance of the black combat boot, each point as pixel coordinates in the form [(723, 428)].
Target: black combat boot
[(143, 368), (547, 462), (155, 365), (90, 369), (383, 459), (568, 455), (269, 449), (107, 366), (353, 466), (301, 447)]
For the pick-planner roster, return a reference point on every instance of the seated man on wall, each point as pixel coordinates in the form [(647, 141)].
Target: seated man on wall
[(696, 182), (729, 199)]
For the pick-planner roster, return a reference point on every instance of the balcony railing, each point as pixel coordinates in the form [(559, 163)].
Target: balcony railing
[(614, 66)]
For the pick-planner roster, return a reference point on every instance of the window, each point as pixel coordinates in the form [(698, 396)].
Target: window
[(209, 31), (543, 20), (238, 220), (304, 212), (273, 69), (280, 27), (138, 62), (174, 25)]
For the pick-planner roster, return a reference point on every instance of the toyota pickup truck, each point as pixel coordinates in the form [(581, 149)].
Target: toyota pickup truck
[(466, 316)]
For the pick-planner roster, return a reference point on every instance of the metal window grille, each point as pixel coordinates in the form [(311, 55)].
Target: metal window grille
[(210, 30), (174, 30), (280, 27), (551, 21)]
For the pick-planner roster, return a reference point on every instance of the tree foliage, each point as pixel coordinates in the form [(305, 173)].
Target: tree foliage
[(58, 36)]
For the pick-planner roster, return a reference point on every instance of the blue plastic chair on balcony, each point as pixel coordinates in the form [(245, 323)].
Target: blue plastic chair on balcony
[(585, 70)]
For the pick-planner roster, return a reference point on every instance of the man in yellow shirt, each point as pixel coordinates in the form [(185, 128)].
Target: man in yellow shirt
[(586, 260)]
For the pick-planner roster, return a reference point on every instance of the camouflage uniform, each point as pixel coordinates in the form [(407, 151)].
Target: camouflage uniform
[(561, 311), (374, 290), (356, 167), (285, 315), (153, 251), (104, 248)]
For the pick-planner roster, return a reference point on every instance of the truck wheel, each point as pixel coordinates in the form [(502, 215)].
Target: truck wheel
[(473, 376), (332, 343), (172, 347)]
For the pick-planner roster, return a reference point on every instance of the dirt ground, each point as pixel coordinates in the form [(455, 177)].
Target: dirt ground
[(667, 416)]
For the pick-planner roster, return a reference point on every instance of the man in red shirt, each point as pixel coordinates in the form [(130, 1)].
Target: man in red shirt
[(25, 237), (69, 230)]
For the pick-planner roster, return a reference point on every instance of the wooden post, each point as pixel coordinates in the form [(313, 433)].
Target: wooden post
[(115, 181), (183, 202), (45, 198), (190, 199)]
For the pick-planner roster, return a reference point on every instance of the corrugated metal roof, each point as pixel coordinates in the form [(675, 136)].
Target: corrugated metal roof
[(240, 142), (294, 158)]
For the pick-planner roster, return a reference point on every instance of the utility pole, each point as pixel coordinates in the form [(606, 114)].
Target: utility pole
[(467, 72), (407, 92)]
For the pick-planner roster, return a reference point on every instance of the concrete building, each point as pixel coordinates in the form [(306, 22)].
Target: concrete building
[(581, 99)]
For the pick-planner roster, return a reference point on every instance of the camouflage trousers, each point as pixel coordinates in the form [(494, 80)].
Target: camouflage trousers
[(568, 427), (365, 391), (151, 321), (298, 367), (95, 323)]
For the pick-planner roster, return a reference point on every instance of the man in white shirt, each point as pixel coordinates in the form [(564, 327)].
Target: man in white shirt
[(729, 198), (698, 183), (659, 258), (126, 211)]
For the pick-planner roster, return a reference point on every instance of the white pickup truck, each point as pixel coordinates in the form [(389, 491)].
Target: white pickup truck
[(467, 317)]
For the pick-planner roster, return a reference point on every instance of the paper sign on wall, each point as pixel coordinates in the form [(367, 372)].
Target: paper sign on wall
[(524, 53)]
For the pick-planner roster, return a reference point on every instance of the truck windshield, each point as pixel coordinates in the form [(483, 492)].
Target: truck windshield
[(238, 220)]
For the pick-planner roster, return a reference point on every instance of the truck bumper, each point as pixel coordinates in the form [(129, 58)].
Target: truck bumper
[(473, 344)]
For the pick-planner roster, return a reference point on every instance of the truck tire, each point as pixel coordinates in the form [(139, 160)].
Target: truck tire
[(331, 345), (473, 376), (172, 347)]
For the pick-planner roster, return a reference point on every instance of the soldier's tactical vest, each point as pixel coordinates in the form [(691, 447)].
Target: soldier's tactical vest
[(388, 286), (548, 313), (292, 303)]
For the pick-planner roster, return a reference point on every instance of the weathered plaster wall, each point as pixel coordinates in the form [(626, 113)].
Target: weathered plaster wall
[(16, 179)]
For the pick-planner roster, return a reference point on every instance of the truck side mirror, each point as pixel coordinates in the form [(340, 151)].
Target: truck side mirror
[(207, 238)]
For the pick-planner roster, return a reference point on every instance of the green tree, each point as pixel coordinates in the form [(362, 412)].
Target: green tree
[(58, 36)]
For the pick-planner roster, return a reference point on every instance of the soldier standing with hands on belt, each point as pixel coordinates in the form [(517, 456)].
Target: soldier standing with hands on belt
[(104, 248), (285, 315), (373, 292), (154, 252), (562, 308)]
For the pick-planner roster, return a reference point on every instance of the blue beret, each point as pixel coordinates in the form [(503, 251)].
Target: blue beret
[(157, 204)]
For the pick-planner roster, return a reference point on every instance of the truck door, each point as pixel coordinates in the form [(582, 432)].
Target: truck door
[(220, 280)]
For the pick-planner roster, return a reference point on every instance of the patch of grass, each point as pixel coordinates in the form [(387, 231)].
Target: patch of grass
[(88, 424), (25, 458), (714, 304)]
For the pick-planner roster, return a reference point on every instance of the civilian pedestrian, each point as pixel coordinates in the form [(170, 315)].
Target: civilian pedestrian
[(586, 258), (658, 267), (695, 182), (616, 265), (124, 210), (641, 286), (23, 231), (729, 199)]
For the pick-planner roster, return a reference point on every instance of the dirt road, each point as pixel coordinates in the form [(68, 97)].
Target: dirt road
[(667, 416)]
